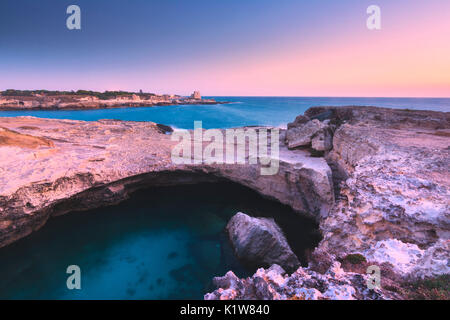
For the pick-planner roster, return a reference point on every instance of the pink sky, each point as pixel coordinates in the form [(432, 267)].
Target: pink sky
[(409, 57), (266, 48)]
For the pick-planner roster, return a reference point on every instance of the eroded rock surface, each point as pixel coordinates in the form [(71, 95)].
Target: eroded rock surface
[(393, 201), (260, 242), (52, 167), (323, 140), (391, 172), (303, 284), (301, 135)]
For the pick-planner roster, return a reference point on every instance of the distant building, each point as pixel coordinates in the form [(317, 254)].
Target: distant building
[(196, 95)]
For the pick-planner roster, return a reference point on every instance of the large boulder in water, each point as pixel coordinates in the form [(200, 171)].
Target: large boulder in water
[(260, 242)]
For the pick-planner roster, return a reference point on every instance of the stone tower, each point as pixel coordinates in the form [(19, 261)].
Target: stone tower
[(196, 95)]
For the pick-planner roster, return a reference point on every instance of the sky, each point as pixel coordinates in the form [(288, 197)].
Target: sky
[(229, 48)]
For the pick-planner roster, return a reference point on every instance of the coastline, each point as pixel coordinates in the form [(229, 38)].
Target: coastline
[(107, 106), (374, 178), (14, 100)]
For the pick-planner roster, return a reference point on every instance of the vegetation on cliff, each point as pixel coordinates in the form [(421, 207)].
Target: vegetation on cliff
[(101, 95)]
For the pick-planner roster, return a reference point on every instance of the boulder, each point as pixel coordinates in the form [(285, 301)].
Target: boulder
[(163, 128), (299, 120), (260, 242), (322, 141), (302, 134)]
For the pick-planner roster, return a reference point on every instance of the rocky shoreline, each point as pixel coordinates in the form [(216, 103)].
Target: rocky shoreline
[(376, 180), (79, 101), (98, 106)]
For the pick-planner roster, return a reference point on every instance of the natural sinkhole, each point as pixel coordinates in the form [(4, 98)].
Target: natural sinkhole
[(162, 243)]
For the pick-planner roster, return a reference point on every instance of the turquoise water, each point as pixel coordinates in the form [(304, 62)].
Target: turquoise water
[(163, 243), (243, 111)]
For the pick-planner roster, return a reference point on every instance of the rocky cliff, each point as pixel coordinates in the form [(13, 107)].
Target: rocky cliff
[(377, 180), (76, 165), (38, 100), (391, 173)]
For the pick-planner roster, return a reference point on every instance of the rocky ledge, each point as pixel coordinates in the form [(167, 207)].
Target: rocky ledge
[(377, 181), (18, 105), (391, 178), (12, 100), (52, 167), (304, 284)]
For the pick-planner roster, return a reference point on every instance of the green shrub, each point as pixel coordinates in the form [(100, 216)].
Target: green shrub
[(355, 258), (437, 288)]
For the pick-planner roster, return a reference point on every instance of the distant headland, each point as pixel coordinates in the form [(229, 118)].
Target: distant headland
[(85, 100)]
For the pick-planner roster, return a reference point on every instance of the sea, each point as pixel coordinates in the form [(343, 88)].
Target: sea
[(242, 111)]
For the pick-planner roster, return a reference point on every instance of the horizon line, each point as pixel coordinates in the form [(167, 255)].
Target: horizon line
[(252, 96), (288, 96)]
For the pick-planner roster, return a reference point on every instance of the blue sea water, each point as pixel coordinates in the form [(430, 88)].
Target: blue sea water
[(163, 243), (243, 111)]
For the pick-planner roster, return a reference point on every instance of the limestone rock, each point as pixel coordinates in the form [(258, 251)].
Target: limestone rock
[(391, 169), (50, 167), (322, 141), (302, 134), (409, 259), (392, 184), (299, 120), (303, 284), (260, 242)]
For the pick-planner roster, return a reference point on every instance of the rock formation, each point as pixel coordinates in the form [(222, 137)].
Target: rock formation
[(323, 140), (93, 164), (31, 100), (303, 284), (304, 132), (393, 167), (302, 135), (392, 184), (260, 242)]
